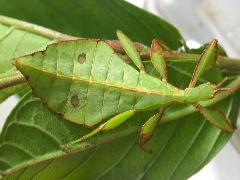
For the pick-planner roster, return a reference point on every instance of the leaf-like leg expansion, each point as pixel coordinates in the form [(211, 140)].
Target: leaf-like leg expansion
[(164, 46), (158, 60), (110, 124), (148, 129), (216, 118), (206, 61), (130, 50)]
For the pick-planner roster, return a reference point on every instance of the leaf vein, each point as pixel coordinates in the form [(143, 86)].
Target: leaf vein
[(196, 135), (117, 162), (36, 127), (154, 160)]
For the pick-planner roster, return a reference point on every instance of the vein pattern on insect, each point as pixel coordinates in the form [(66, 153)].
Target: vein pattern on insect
[(88, 83)]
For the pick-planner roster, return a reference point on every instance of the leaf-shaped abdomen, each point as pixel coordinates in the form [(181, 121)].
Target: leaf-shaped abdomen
[(87, 82)]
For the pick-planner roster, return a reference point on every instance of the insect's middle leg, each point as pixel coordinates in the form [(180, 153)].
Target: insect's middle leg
[(159, 63), (149, 127)]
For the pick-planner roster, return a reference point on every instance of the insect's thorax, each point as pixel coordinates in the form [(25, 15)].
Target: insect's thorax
[(163, 93)]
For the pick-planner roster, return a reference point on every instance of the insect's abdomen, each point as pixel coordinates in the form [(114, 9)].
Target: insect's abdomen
[(86, 81)]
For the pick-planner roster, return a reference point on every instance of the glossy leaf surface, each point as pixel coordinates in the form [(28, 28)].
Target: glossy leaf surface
[(180, 148), (15, 42)]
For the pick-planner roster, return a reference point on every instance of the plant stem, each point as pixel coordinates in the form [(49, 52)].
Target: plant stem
[(11, 79), (34, 28)]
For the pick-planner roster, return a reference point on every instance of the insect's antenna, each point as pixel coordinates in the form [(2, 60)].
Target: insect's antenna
[(222, 82), (220, 90), (218, 87)]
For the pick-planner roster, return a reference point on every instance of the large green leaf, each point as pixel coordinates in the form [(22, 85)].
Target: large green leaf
[(15, 42), (31, 136), (93, 19)]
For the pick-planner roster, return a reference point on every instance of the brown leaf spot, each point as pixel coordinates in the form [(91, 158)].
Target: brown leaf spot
[(74, 100), (82, 58)]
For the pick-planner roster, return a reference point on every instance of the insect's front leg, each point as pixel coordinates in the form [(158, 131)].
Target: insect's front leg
[(207, 61)]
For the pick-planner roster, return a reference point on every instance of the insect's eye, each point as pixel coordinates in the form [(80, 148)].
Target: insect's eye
[(75, 101), (82, 58)]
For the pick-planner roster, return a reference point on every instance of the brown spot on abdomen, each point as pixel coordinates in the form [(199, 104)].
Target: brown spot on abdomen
[(75, 101), (82, 58)]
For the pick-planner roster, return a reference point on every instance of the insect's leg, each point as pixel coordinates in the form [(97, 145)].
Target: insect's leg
[(159, 63), (130, 50), (207, 60), (109, 125), (149, 128), (158, 60), (216, 118)]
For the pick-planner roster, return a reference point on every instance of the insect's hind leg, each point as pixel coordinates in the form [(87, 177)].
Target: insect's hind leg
[(148, 129), (159, 63), (130, 50), (108, 125)]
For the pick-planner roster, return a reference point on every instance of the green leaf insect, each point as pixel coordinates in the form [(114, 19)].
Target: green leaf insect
[(88, 83)]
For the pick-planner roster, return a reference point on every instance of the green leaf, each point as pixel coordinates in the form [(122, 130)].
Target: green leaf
[(94, 19), (15, 42), (180, 148)]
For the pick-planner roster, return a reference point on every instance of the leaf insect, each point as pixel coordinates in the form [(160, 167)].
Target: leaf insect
[(88, 83)]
